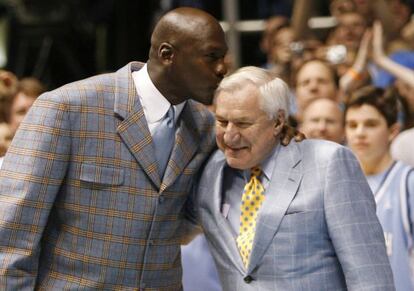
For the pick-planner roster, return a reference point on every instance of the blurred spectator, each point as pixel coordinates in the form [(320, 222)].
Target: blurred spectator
[(338, 7), (315, 79), (351, 26), (272, 25), (289, 44), (371, 125), (27, 91), (401, 12), (5, 139), (280, 52), (323, 119), (8, 88)]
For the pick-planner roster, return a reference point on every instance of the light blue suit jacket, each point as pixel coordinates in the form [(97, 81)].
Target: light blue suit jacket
[(317, 228)]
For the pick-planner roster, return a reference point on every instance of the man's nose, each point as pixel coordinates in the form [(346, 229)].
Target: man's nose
[(313, 86), (231, 134), (322, 125), (360, 130), (221, 68)]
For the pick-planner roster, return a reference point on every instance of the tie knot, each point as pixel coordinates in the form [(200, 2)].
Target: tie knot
[(256, 172)]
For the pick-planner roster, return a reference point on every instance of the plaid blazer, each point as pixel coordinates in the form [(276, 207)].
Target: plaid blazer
[(81, 203), (316, 230)]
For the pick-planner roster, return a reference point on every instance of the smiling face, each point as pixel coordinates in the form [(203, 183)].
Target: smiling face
[(368, 134), (244, 131)]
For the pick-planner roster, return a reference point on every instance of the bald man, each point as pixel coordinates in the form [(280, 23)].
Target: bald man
[(323, 118), (85, 202)]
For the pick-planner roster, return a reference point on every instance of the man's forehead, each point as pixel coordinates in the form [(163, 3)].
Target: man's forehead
[(214, 45)]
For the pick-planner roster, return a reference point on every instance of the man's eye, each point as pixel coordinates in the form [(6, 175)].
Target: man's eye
[(372, 124), (222, 123), (243, 124), (213, 56), (351, 125)]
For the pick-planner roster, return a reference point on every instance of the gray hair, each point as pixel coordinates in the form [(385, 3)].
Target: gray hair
[(274, 94)]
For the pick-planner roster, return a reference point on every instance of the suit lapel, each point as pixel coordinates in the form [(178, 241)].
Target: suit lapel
[(133, 128), (226, 240), (282, 189), (187, 140)]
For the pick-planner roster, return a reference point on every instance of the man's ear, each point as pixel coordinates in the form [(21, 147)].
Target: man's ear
[(280, 121), (166, 52)]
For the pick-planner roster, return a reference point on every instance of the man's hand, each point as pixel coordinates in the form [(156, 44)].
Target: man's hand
[(289, 132)]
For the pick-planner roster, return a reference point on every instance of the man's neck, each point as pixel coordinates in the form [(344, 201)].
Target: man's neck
[(377, 166)]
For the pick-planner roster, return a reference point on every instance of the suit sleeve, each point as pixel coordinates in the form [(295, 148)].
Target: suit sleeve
[(353, 226), (31, 175)]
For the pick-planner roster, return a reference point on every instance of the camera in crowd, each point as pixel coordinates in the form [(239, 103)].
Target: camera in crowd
[(335, 54)]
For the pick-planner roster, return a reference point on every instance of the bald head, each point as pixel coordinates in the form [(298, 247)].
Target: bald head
[(323, 119), (186, 59), (182, 26)]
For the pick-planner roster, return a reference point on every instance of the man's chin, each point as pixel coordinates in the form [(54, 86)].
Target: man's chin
[(236, 163)]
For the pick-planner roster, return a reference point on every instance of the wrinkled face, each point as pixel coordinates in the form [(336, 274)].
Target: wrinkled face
[(20, 107), (322, 119), (199, 66), (350, 29), (244, 132), (314, 80), (367, 133), (280, 48)]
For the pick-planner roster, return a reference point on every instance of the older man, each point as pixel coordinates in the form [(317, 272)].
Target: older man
[(299, 217)]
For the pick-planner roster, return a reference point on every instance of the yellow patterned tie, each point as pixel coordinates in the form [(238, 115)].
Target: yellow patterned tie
[(252, 199)]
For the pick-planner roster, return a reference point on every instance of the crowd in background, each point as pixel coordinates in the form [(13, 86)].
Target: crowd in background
[(353, 85), (372, 43)]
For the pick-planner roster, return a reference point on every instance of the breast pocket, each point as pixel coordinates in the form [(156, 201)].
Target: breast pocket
[(104, 175)]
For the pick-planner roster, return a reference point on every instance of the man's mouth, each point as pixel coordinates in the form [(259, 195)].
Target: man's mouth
[(234, 149)]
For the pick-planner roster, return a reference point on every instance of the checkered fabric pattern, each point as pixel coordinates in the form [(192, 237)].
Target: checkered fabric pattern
[(252, 199), (82, 206), (317, 230)]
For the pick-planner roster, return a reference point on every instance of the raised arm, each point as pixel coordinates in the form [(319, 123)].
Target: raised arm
[(382, 60)]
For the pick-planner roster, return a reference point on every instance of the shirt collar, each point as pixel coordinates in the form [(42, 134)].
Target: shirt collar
[(154, 104), (266, 166)]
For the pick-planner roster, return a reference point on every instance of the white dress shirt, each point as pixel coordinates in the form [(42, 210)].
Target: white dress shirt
[(155, 105)]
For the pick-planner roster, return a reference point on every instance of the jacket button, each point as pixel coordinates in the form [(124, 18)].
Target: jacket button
[(161, 199), (248, 279)]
